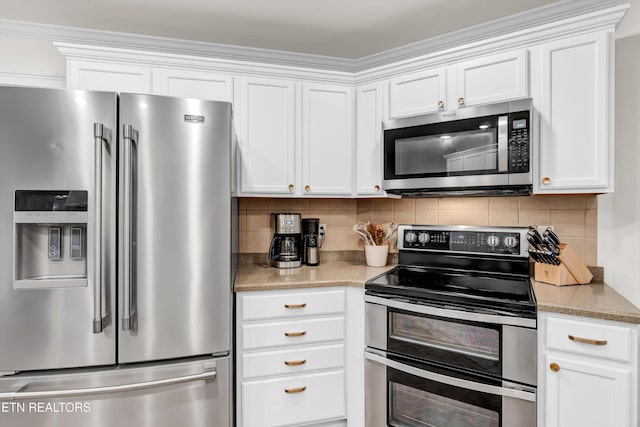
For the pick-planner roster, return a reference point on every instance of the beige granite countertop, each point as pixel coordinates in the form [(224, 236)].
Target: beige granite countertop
[(255, 277), (596, 300)]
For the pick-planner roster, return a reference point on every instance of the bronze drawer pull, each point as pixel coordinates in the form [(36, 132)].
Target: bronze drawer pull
[(588, 340), (295, 362), (295, 334), (303, 305), (295, 390), (554, 367)]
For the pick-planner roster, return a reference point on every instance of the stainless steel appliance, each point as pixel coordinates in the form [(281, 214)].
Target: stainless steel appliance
[(286, 244), (312, 241), (451, 331), (479, 150), (116, 263)]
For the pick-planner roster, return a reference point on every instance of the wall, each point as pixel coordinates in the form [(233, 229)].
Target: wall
[(619, 213), (573, 217), (31, 56)]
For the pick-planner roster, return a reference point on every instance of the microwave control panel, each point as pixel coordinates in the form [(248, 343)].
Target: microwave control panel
[(519, 142)]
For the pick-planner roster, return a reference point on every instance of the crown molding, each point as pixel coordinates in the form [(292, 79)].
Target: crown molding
[(33, 80), (489, 30), (501, 27)]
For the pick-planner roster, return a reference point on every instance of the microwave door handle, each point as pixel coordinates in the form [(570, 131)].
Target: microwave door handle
[(452, 381), (503, 143), (130, 137), (100, 135)]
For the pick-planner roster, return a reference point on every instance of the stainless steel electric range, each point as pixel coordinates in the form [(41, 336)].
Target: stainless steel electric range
[(451, 331)]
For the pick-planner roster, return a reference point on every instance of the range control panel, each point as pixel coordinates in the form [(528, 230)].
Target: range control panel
[(489, 241)]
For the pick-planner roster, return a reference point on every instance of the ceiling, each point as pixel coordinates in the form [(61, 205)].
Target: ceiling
[(341, 28)]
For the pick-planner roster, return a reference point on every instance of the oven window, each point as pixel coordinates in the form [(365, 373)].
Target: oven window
[(449, 336), (411, 407)]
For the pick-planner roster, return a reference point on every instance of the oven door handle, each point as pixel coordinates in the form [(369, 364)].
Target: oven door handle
[(529, 396), (452, 314)]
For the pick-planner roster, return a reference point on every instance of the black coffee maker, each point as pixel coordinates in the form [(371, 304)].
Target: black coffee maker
[(286, 244), (312, 241)]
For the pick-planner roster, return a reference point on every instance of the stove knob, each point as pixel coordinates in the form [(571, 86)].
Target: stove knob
[(493, 241), (410, 237), (510, 241), (423, 238)]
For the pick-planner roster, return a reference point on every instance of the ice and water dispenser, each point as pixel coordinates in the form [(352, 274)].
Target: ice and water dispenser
[(50, 239)]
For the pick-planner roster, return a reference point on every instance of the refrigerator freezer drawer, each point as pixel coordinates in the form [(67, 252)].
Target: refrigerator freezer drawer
[(194, 393)]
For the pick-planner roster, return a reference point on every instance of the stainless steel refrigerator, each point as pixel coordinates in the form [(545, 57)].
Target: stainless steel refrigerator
[(117, 234)]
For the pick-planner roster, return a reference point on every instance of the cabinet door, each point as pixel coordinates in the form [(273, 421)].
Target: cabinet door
[(489, 79), (108, 77), (369, 116), (266, 136), (586, 394), (418, 93), (327, 140), (193, 84), (576, 148)]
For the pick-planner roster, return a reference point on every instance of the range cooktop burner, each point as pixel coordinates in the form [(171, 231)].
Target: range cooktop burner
[(509, 295)]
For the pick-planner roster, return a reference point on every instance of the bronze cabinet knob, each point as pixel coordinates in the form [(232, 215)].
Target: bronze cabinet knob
[(546, 180), (461, 101), (291, 187), (376, 187), (441, 104), (554, 367), (307, 188)]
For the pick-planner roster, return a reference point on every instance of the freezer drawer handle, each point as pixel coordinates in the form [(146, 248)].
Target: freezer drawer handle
[(130, 137), (50, 394), (100, 318)]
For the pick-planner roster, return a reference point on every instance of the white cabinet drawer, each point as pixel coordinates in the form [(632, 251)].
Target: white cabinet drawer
[(292, 361), (296, 332), (256, 307), (591, 339), (312, 397)]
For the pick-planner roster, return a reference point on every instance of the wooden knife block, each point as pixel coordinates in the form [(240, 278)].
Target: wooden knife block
[(571, 271)]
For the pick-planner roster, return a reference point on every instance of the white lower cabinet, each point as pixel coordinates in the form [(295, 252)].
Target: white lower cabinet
[(291, 368), (588, 372)]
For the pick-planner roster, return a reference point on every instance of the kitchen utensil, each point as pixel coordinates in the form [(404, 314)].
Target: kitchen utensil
[(360, 230)]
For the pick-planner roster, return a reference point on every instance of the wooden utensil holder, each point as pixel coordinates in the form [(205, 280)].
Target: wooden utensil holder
[(571, 271)]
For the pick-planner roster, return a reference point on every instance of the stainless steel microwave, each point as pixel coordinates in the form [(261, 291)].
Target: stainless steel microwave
[(478, 150)]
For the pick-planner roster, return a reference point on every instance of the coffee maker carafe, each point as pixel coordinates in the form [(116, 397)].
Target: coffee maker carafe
[(286, 245), (312, 241)]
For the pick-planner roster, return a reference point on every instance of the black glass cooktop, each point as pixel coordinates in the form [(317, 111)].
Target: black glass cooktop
[(505, 294)]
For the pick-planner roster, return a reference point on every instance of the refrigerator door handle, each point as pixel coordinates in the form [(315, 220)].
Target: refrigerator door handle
[(100, 318), (18, 394), (130, 136)]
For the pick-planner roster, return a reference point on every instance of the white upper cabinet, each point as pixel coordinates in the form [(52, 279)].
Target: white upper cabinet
[(327, 139), (369, 117), (418, 93), (193, 84), (486, 79), (573, 98), (265, 121), (110, 77)]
